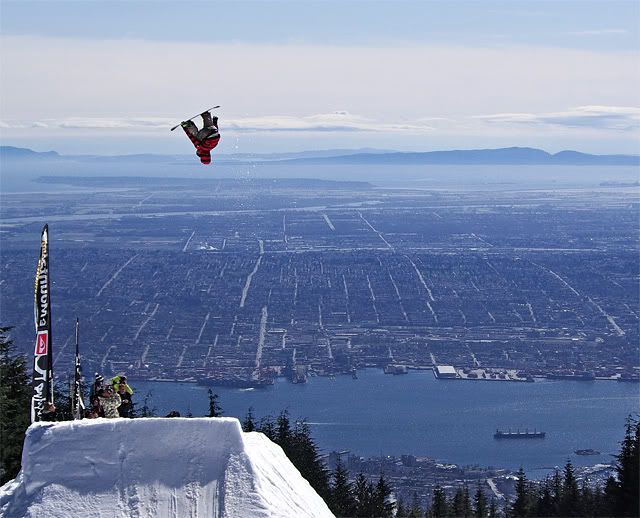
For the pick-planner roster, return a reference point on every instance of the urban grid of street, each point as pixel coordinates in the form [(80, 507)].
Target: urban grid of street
[(240, 282)]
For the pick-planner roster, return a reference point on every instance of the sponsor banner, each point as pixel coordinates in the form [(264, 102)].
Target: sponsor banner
[(42, 361), (42, 343)]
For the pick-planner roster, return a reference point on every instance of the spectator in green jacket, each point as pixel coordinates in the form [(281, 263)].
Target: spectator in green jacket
[(121, 379)]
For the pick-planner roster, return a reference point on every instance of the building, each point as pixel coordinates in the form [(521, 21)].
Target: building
[(445, 371)]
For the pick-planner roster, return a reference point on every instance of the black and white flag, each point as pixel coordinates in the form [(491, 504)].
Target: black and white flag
[(77, 403), (43, 357)]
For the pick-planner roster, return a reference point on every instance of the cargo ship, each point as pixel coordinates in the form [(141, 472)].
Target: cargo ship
[(526, 434)]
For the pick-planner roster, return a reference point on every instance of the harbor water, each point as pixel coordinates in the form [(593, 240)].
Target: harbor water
[(450, 420)]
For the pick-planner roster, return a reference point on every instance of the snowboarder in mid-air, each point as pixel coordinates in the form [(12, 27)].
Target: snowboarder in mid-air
[(205, 139)]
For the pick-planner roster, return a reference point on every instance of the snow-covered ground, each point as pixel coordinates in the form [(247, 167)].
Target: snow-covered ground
[(156, 467)]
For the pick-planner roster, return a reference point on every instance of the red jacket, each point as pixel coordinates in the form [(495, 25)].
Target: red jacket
[(203, 149)]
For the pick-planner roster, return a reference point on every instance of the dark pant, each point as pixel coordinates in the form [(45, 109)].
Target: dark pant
[(208, 120), (209, 128)]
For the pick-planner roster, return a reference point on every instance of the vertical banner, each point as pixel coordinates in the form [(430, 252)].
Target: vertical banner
[(43, 356), (77, 403)]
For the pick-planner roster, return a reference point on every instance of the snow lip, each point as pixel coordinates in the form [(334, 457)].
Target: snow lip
[(155, 467)]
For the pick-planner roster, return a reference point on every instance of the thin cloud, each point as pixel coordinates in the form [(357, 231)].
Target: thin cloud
[(615, 118), (336, 121), (339, 121), (90, 123), (101, 123)]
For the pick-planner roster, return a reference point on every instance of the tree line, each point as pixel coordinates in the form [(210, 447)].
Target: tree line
[(361, 498), (560, 494)]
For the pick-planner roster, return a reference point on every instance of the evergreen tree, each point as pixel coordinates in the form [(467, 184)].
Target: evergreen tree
[(467, 508), (545, 505), (146, 410), (267, 427), (627, 468), (283, 430), (15, 401), (520, 506), (214, 407), (382, 506), (456, 506), (363, 491), (249, 425), (401, 511), (480, 503), (343, 502), (301, 449), (598, 501), (460, 504), (414, 510), (439, 506), (556, 492), (493, 509), (610, 497), (585, 496), (570, 499)]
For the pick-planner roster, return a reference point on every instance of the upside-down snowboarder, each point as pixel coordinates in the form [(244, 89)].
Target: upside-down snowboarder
[(205, 139)]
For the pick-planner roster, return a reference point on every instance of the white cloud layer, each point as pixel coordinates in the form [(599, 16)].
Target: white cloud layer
[(615, 118), (608, 118), (56, 86)]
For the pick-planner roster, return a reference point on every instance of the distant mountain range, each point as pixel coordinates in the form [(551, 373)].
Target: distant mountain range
[(507, 156), (510, 156), (20, 153)]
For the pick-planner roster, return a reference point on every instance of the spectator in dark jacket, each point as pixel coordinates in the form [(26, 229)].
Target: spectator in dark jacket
[(98, 383), (95, 410), (126, 403)]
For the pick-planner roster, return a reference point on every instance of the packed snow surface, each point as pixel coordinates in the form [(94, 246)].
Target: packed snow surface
[(155, 467)]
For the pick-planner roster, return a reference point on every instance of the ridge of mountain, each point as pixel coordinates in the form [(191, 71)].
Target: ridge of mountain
[(509, 155)]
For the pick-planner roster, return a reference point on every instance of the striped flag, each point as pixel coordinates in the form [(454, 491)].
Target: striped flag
[(77, 403)]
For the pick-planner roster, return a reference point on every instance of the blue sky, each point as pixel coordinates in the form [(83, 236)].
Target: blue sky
[(112, 77)]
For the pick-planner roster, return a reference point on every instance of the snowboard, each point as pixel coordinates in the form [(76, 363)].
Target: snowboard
[(208, 110)]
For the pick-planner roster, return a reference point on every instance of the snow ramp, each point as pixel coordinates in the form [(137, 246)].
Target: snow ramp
[(155, 467)]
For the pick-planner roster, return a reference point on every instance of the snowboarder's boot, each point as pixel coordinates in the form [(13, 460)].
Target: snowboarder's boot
[(206, 119)]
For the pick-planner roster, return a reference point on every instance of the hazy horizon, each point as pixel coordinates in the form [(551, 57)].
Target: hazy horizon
[(311, 151)]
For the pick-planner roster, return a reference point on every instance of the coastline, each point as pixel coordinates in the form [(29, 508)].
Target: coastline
[(463, 374)]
